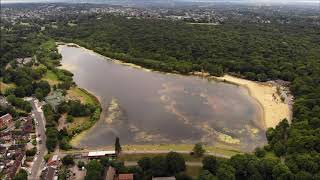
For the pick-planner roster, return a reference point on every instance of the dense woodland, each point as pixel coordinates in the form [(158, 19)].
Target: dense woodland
[(254, 51)]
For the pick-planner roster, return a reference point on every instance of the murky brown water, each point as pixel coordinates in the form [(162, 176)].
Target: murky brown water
[(144, 107)]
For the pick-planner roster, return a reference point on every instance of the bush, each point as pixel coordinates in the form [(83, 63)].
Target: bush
[(260, 152), (226, 172), (145, 163), (210, 163), (67, 160), (22, 175), (159, 166), (176, 162), (47, 157), (183, 176), (198, 150), (69, 119), (31, 152), (80, 164)]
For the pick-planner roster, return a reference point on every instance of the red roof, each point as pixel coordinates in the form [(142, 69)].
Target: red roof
[(6, 118), (125, 176)]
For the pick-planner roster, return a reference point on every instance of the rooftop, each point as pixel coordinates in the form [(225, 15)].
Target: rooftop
[(101, 153), (125, 176), (6, 117)]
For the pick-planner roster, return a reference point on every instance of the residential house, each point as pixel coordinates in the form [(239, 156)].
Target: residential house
[(5, 137), (5, 120), (14, 166), (125, 177), (49, 173), (28, 126), (53, 161)]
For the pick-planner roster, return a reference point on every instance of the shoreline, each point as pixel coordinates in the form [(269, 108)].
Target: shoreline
[(95, 98), (160, 148), (269, 103), (273, 109)]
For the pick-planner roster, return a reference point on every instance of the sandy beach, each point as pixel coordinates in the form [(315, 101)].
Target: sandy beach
[(274, 110)]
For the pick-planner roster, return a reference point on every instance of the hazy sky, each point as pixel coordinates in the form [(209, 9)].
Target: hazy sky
[(251, 1)]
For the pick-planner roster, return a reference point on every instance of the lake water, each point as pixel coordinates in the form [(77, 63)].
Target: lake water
[(143, 107)]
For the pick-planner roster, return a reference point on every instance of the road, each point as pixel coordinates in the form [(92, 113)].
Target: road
[(38, 162)]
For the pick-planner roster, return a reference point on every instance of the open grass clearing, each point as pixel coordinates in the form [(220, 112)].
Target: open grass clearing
[(179, 147), (77, 122), (51, 77), (271, 155), (193, 171), (82, 95), (4, 87), (137, 157)]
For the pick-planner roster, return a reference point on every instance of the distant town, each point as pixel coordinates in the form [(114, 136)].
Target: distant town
[(221, 91), (211, 15)]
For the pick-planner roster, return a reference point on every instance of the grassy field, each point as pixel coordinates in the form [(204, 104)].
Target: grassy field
[(4, 87), (51, 44), (179, 147), (82, 95), (51, 77), (136, 157), (271, 155), (193, 171), (77, 122)]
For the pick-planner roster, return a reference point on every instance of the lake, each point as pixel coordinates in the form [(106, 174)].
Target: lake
[(146, 107)]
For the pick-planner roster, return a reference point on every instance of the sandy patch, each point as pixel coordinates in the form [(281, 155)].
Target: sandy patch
[(274, 110)]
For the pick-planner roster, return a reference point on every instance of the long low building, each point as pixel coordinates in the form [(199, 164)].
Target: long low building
[(100, 154)]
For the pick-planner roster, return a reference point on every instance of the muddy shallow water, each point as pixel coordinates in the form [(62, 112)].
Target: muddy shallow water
[(143, 107)]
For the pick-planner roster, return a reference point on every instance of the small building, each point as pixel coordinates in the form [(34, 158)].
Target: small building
[(101, 154), (5, 120), (49, 173), (15, 166), (125, 177), (5, 137), (28, 126), (53, 161)]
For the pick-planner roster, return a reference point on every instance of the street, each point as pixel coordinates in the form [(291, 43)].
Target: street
[(38, 163)]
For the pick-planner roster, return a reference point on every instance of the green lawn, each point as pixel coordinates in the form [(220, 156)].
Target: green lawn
[(49, 45), (4, 86), (271, 155), (51, 77), (136, 157), (82, 95), (193, 171), (179, 147)]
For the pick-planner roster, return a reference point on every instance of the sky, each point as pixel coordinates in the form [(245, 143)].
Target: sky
[(249, 1)]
